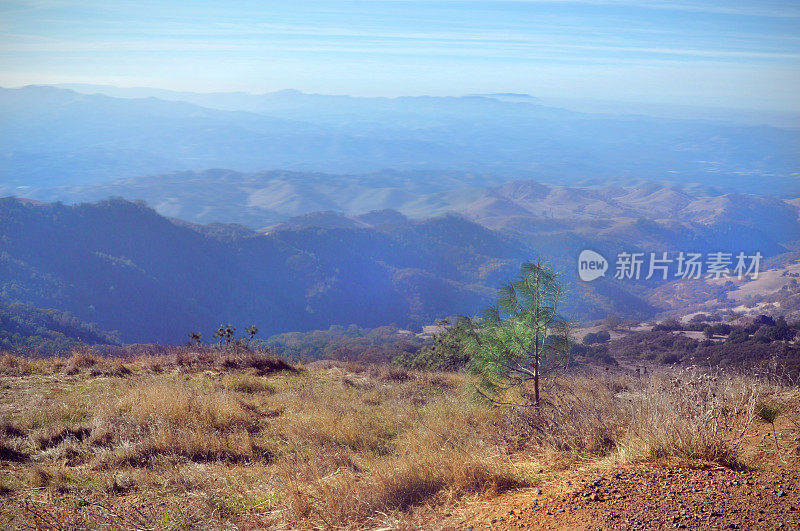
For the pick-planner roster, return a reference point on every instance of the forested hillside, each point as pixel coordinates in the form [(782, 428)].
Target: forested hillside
[(123, 266)]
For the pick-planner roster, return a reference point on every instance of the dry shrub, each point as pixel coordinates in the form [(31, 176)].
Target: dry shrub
[(9, 430), (11, 365), (205, 358), (263, 364), (12, 451), (54, 435), (578, 415), (57, 479), (114, 368), (69, 451), (694, 415), (388, 373), (248, 384), (83, 359)]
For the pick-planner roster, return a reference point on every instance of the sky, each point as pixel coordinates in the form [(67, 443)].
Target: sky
[(741, 54)]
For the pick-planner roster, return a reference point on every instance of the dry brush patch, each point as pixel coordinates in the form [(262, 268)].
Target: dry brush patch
[(201, 441), (687, 413), (345, 446)]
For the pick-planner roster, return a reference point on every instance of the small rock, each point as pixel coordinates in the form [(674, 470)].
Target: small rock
[(781, 493)]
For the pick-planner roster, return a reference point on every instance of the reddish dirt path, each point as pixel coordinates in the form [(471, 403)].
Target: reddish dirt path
[(655, 497)]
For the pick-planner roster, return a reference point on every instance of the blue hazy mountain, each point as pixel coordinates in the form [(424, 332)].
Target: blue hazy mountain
[(54, 136), (123, 266)]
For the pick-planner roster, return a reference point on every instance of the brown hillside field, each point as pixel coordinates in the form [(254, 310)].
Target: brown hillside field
[(201, 439)]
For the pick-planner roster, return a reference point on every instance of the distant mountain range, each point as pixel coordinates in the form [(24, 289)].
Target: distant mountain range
[(55, 136), (264, 199), (336, 238), (126, 268), (122, 266)]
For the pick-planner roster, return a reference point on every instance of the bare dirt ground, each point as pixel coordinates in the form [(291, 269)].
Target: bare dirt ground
[(767, 282), (671, 494), (659, 497)]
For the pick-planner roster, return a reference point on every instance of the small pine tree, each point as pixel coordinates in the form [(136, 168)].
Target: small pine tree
[(512, 343)]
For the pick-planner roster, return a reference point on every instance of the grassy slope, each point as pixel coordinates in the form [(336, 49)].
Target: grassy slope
[(198, 439)]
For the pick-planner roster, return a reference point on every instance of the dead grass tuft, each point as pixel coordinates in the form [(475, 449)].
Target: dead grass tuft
[(11, 452), (170, 418), (11, 365), (248, 384)]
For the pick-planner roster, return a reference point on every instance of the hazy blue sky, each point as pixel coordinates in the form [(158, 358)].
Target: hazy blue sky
[(729, 53)]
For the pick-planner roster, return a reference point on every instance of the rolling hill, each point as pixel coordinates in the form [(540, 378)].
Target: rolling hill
[(123, 266), (54, 136)]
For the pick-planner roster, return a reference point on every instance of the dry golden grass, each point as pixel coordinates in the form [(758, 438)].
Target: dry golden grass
[(341, 447), (186, 439)]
